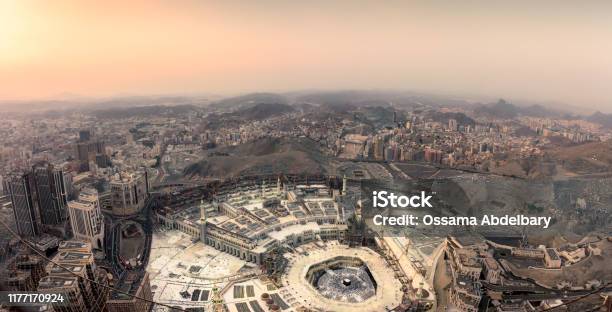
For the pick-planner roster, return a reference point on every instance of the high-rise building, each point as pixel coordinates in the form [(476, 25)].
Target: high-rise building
[(39, 198), (103, 161), (84, 135), (129, 192), (68, 185), (23, 273), (86, 219), (82, 284), (25, 207), (433, 155), (379, 148), (51, 193), (97, 147), (82, 155), (88, 148), (69, 287), (453, 125)]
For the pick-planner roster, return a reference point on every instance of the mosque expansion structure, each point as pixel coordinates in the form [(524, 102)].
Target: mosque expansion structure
[(250, 217), (279, 242)]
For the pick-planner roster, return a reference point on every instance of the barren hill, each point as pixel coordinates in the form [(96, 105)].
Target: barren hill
[(264, 156), (594, 157)]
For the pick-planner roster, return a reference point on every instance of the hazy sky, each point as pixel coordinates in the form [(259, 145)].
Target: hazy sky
[(541, 50)]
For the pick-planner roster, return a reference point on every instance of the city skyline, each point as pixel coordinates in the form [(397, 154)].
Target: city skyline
[(263, 202), (348, 155), (547, 51)]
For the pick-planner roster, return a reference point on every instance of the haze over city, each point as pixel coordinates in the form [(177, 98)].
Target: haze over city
[(549, 51), (305, 156)]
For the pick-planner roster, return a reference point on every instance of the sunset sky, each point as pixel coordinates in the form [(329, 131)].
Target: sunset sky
[(540, 50)]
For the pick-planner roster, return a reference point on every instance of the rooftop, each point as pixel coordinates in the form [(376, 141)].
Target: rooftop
[(52, 282)]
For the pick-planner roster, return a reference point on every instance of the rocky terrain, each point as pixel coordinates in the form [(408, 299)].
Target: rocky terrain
[(265, 156)]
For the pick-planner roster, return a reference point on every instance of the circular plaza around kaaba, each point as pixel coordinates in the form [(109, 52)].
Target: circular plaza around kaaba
[(347, 279)]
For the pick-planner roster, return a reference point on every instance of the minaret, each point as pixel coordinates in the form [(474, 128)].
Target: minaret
[(215, 203), (344, 184), (278, 185), (202, 222), (263, 188)]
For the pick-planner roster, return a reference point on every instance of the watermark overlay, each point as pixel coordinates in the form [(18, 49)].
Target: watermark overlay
[(31, 298), (440, 207)]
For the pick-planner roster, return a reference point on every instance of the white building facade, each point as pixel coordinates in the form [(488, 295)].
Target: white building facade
[(86, 219)]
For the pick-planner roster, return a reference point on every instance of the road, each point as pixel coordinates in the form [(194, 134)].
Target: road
[(112, 238)]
